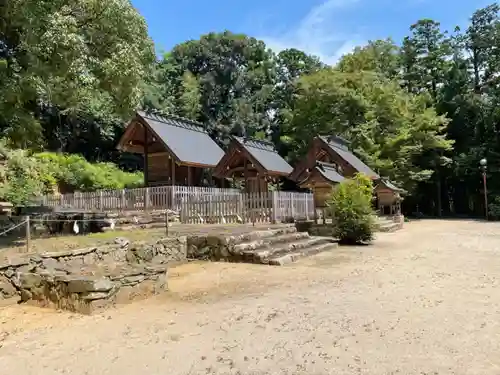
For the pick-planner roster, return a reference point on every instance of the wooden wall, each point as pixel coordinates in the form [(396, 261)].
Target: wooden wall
[(160, 172), (322, 194), (159, 166)]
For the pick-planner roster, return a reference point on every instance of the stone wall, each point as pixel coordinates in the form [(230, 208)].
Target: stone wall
[(104, 275), (223, 247), (322, 230)]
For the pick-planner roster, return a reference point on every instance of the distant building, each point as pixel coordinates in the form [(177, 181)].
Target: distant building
[(255, 162), (328, 161), (176, 151)]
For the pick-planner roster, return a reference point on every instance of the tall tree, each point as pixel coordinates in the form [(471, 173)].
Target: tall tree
[(236, 76), (78, 56), (291, 64), (381, 56), (483, 37), (189, 101), (390, 129)]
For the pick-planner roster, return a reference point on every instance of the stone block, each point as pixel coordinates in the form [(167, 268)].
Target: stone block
[(28, 280), (144, 252), (95, 296), (132, 280), (82, 284), (7, 290)]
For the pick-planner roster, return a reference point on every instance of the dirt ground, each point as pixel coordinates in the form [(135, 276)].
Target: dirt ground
[(425, 300)]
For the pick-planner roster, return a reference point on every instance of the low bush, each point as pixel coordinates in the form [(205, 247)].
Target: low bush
[(494, 209), (351, 206), (24, 176)]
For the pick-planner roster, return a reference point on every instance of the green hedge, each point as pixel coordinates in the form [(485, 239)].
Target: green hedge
[(24, 175)]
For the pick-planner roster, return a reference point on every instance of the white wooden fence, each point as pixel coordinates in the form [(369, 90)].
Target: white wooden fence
[(263, 207), (195, 204), (141, 199)]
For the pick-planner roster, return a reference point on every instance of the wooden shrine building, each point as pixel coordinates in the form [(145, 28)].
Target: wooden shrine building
[(328, 161), (176, 151), (388, 197), (321, 180), (253, 161), (335, 151)]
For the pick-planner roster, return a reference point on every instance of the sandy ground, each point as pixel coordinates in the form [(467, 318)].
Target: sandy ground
[(425, 300)]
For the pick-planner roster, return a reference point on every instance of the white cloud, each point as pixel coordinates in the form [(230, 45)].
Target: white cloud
[(316, 33)]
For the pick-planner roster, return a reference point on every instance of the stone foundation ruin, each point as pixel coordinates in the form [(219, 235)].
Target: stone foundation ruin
[(84, 280)]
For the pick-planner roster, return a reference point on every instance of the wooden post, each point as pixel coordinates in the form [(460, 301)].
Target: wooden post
[(306, 207), (146, 168), (172, 177), (124, 201), (245, 172), (28, 234), (275, 207), (146, 159), (166, 222), (100, 200), (173, 172), (189, 176)]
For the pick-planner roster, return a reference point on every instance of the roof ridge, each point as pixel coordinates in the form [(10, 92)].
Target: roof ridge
[(191, 124), (258, 142), (336, 141)]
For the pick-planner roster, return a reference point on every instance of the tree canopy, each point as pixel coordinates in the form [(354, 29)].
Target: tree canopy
[(422, 110)]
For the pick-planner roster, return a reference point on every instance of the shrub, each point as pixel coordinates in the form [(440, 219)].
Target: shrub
[(351, 206), (494, 209), (24, 176)]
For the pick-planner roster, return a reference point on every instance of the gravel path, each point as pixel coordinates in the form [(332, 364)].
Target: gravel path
[(425, 300)]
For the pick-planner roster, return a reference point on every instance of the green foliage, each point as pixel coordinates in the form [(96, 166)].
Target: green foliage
[(390, 129), (190, 96), (24, 176), (351, 206), (83, 56), (494, 209), (230, 84), (72, 72)]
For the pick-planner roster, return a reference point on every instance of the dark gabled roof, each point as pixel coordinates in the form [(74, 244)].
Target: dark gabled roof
[(390, 185), (341, 147), (186, 139), (329, 171), (266, 155)]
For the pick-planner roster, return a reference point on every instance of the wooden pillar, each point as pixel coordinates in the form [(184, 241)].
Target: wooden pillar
[(173, 172), (190, 177), (146, 158), (245, 171)]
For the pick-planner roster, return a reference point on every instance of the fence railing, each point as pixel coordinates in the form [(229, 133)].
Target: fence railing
[(195, 204), (248, 207), (140, 199)]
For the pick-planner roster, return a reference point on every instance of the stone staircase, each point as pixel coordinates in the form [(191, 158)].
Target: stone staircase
[(279, 247), (387, 225)]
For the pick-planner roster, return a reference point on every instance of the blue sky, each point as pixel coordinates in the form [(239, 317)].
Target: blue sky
[(326, 28)]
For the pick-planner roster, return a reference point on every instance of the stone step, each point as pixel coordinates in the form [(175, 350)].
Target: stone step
[(389, 227), (285, 259), (262, 256), (268, 241), (262, 234)]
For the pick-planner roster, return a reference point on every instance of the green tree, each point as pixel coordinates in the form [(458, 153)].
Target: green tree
[(190, 96), (390, 129), (291, 64), (381, 56), (236, 75), (78, 56), (351, 206)]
